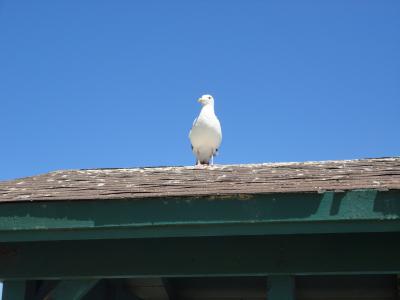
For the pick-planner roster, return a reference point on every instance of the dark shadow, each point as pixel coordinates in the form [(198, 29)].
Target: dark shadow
[(388, 203), (337, 201)]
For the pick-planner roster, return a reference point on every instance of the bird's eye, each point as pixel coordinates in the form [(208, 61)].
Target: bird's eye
[(209, 97)]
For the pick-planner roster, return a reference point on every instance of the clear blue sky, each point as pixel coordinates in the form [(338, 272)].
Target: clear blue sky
[(89, 84)]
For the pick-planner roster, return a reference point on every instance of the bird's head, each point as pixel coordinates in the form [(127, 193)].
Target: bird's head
[(206, 99)]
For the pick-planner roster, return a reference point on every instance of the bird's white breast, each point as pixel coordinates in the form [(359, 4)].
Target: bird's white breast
[(206, 131), (205, 135)]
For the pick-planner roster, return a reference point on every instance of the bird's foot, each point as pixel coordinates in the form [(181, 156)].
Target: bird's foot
[(200, 166)]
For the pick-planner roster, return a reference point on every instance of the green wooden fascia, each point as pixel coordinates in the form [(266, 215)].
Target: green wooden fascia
[(308, 254), (312, 213)]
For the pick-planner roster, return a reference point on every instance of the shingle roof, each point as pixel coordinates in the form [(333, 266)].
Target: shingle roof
[(299, 177)]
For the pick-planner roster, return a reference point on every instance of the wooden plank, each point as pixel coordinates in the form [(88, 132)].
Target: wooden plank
[(281, 287), (353, 211), (139, 183), (222, 288), (352, 287), (14, 290), (147, 288), (366, 253), (72, 289)]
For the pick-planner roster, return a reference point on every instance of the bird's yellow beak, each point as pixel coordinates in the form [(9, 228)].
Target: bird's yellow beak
[(200, 100)]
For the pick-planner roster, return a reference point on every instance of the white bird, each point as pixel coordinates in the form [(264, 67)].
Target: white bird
[(205, 135)]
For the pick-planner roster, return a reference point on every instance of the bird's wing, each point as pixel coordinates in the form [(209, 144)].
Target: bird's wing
[(219, 130), (194, 122), (190, 132)]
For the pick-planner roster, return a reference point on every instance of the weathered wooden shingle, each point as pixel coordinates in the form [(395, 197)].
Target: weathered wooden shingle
[(380, 174)]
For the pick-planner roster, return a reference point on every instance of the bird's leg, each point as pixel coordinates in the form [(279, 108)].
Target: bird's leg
[(197, 159), (212, 160)]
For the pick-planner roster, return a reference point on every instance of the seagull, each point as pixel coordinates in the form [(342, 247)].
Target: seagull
[(205, 135)]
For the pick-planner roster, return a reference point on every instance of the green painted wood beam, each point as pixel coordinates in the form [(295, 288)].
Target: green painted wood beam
[(363, 253), (354, 211), (14, 290), (72, 289), (281, 287)]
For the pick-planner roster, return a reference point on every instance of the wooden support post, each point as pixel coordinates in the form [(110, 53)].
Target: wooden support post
[(72, 289), (14, 290), (281, 287)]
